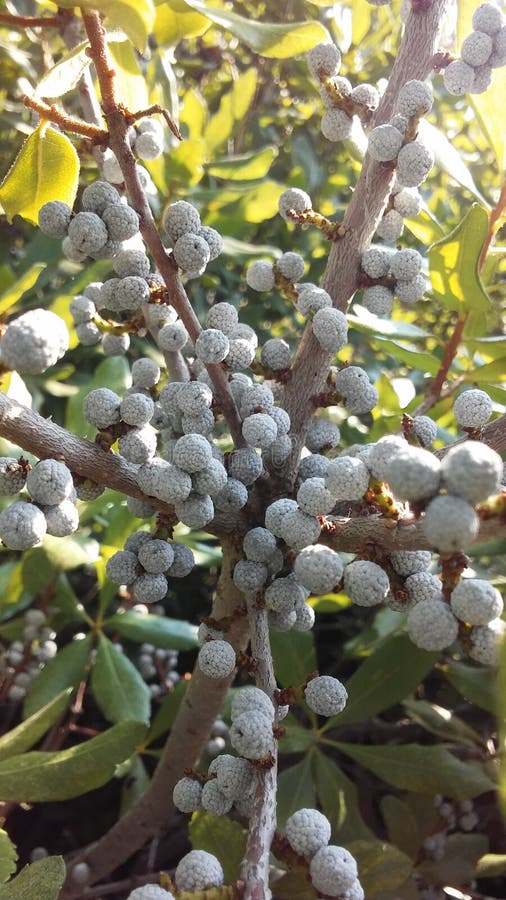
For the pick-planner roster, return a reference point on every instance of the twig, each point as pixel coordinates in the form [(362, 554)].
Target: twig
[(67, 123), (202, 702), (30, 21), (127, 884), (117, 123), (311, 363)]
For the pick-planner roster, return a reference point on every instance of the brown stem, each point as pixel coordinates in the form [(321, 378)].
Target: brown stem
[(495, 216), (30, 21), (201, 705), (67, 123), (262, 824), (450, 351), (117, 122), (369, 199)]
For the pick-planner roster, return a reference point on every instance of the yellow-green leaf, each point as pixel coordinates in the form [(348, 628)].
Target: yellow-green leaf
[(8, 856), (271, 40), (221, 836), (40, 776), (233, 107), (381, 867), (134, 17), (46, 168), (131, 83), (244, 167), (486, 106), (20, 287), (453, 264), (42, 879), (175, 21), (28, 732), (65, 74)]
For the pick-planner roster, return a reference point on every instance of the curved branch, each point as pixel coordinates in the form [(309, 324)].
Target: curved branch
[(118, 141), (45, 439), (311, 364), (353, 535), (201, 705)]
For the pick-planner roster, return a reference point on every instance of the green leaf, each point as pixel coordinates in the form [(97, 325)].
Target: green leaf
[(28, 732), (381, 867), (462, 852), (426, 770), (46, 168), (39, 776), (171, 634), (42, 879), (167, 712), (474, 684), (117, 685), (443, 723), (416, 359), (393, 671), (296, 738), (65, 670), (294, 656), (453, 264), (8, 856), (368, 323), (295, 789), (222, 837), (64, 76), (339, 800), (402, 826), (268, 39), (131, 83), (21, 286), (247, 166)]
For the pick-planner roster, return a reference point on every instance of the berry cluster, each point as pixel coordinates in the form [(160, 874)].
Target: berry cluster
[(391, 274), (51, 508), (333, 870), (482, 51), (146, 564), (98, 231), (194, 244)]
